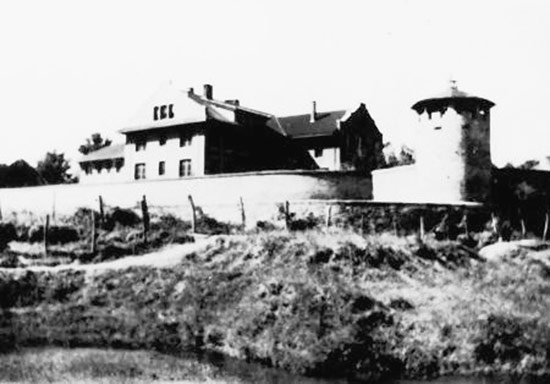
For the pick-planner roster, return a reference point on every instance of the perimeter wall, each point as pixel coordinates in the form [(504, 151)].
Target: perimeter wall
[(219, 196)]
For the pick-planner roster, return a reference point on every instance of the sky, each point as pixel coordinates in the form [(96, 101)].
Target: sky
[(72, 68)]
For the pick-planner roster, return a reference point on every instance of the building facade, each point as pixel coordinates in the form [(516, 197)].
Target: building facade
[(180, 134)]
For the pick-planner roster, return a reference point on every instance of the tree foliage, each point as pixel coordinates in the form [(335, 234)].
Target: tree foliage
[(94, 143), (54, 169), (393, 159), (529, 164), (19, 174)]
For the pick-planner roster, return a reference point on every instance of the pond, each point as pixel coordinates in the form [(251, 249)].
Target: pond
[(106, 366)]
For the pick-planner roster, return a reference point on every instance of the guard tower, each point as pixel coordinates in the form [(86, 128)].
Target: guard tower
[(453, 154)]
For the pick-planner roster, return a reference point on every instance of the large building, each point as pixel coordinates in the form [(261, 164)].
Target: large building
[(179, 134)]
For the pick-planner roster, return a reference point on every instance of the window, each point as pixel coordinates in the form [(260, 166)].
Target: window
[(161, 168), (139, 173), (185, 139), (437, 128), (185, 167), (162, 140), (318, 152), (140, 145), (163, 112)]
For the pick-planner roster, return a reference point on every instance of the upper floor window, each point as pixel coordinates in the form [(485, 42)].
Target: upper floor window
[(162, 140), (162, 168), (139, 171), (161, 112), (185, 167), (318, 152), (140, 145), (185, 139)]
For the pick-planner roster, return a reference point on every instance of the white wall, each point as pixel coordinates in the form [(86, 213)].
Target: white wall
[(218, 195), (171, 153), (329, 159)]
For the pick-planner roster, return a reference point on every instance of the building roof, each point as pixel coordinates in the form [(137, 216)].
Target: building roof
[(188, 108), (450, 94), (113, 151), (301, 126)]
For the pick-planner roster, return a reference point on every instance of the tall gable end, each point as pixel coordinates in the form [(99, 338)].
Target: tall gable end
[(167, 107)]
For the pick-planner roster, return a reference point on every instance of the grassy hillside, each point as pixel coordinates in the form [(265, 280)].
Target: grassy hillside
[(313, 302)]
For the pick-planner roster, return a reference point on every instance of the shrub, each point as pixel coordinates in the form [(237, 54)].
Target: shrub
[(56, 234), (7, 233)]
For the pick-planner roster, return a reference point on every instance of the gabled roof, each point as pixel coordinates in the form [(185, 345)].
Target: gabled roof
[(113, 151), (187, 107), (301, 126)]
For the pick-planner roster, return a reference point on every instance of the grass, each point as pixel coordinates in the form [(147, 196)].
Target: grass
[(312, 302)]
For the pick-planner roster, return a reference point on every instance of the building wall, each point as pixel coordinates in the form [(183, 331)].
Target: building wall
[(329, 158), (219, 196), (453, 154), (234, 148), (360, 142), (111, 175), (171, 153)]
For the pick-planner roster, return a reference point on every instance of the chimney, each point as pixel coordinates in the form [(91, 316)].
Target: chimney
[(313, 115), (208, 91), (190, 91)]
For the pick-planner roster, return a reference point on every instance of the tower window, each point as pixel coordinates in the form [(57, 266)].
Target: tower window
[(139, 171)]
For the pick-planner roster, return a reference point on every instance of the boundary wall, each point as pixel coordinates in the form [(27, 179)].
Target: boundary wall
[(219, 196)]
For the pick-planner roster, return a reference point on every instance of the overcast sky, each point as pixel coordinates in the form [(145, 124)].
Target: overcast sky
[(71, 68)]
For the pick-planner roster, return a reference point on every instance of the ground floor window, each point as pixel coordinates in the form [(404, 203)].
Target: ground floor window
[(185, 167), (139, 172), (161, 168)]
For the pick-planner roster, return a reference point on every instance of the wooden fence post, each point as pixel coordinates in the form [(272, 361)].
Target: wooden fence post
[(494, 226), (46, 229), (101, 211), (145, 216), (193, 215), (545, 231), (53, 208), (93, 244), (422, 228), (328, 216), (287, 214), (243, 214)]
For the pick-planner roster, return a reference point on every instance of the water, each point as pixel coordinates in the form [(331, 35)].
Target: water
[(257, 373), (108, 366)]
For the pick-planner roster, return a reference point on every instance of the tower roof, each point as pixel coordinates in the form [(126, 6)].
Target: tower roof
[(449, 96)]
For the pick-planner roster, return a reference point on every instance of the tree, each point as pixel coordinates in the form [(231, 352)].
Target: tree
[(529, 164), (405, 156), (94, 143), (54, 169)]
